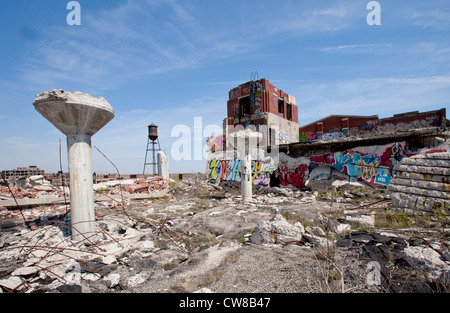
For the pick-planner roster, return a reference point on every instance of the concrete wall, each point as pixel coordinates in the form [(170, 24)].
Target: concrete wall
[(405, 167), (421, 181)]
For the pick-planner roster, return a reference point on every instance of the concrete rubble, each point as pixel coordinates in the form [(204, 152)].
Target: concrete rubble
[(41, 198), (195, 235)]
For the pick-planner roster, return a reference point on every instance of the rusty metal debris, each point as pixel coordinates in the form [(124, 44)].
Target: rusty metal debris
[(176, 236)]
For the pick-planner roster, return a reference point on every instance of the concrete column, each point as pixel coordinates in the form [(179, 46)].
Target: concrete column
[(81, 189), (79, 116), (163, 165), (246, 177)]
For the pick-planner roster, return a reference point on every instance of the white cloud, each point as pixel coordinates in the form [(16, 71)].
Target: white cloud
[(139, 39), (429, 18), (370, 48)]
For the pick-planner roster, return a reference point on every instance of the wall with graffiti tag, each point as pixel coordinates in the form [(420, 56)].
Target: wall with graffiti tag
[(292, 171), (373, 168), (230, 170), (337, 126)]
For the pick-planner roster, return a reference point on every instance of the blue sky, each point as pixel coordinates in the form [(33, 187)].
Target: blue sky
[(168, 61)]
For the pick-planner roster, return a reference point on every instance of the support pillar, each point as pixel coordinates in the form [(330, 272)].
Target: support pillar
[(78, 116), (81, 186), (246, 177)]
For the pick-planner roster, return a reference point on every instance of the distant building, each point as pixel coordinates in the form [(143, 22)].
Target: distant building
[(269, 109), (336, 126), (23, 172)]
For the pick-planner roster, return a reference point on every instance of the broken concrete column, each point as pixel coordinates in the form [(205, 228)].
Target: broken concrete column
[(246, 177), (163, 165), (78, 116), (246, 142)]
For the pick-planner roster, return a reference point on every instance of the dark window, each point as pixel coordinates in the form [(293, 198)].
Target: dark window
[(281, 106), (289, 112), (244, 104)]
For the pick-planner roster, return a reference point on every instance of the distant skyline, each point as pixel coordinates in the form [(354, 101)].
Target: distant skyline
[(168, 62)]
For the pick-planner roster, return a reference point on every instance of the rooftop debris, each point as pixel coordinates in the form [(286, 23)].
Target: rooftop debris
[(200, 234)]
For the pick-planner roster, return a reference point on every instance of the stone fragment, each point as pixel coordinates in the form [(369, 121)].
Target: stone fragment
[(25, 271), (429, 261), (12, 282), (360, 218), (276, 228), (112, 280)]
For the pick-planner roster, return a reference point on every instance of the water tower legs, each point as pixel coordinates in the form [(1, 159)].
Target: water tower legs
[(81, 186)]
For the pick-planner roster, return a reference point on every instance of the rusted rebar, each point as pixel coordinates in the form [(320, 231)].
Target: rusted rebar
[(120, 182), (15, 200)]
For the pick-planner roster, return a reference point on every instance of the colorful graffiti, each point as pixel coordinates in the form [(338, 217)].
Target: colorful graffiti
[(231, 170), (215, 142), (373, 169), (297, 178), (308, 137), (374, 127)]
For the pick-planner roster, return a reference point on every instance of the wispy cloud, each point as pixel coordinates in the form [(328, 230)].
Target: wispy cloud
[(429, 18), (370, 48), (140, 39)]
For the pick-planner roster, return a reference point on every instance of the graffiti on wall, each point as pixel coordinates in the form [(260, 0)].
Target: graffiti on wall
[(296, 178), (307, 137), (230, 170), (215, 142), (234, 94), (283, 137), (373, 127), (373, 169), (333, 135)]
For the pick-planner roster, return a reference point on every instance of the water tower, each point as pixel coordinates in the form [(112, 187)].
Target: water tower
[(153, 138)]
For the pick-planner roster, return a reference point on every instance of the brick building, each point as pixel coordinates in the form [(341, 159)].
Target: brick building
[(336, 126), (269, 109), (23, 172)]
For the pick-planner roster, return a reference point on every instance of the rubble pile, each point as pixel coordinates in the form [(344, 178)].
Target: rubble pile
[(131, 186), (41, 198), (204, 235), (31, 188), (46, 259)]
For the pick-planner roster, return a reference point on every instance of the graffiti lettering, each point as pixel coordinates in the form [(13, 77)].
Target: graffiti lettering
[(374, 127), (230, 170), (296, 178), (307, 137), (333, 135), (373, 169)]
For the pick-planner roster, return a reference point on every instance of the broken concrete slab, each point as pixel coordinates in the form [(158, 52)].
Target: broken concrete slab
[(12, 283), (32, 202), (276, 229), (359, 218), (428, 260)]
